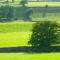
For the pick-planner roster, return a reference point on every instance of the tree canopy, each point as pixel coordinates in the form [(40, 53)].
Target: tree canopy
[(45, 34)]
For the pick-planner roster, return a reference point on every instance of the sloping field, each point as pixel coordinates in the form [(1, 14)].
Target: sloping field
[(16, 38), (15, 34)]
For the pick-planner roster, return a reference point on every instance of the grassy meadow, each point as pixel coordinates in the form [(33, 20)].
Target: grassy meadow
[(24, 56), (35, 4), (13, 34)]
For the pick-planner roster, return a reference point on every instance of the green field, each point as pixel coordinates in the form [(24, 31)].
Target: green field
[(34, 4), (22, 56), (13, 34)]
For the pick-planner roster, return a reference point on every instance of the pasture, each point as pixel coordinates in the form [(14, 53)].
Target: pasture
[(24, 56), (14, 34), (35, 4)]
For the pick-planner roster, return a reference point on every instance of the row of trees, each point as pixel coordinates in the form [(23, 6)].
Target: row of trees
[(6, 13), (23, 0)]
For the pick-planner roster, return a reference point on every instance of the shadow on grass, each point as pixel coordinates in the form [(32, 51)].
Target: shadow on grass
[(28, 49)]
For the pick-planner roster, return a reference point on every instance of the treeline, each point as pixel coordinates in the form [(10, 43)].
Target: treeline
[(6, 13), (10, 13)]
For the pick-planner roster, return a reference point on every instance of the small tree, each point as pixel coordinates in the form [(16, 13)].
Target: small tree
[(7, 0), (13, 1), (23, 2), (44, 34)]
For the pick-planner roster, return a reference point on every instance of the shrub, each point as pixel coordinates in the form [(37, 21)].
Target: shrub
[(23, 2), (44, 34)]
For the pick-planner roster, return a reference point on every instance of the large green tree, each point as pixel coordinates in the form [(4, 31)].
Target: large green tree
[(45, 34)]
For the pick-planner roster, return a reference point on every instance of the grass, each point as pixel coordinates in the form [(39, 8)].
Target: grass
[(14, 39), (22, 56), (15, 27), (15, 34), (51, 15), (18, 34), (10, 37), (35, 4)]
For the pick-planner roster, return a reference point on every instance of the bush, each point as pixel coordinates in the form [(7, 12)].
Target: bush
[(44, 34), (23, 2), (6, 13)]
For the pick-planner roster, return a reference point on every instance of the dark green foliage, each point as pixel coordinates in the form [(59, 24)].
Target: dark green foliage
[(12, 0), (45, 34), (2, 13), (6, 13), (28, 14), (7, 0), (23, 2), (46, 6), (25, 12)]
